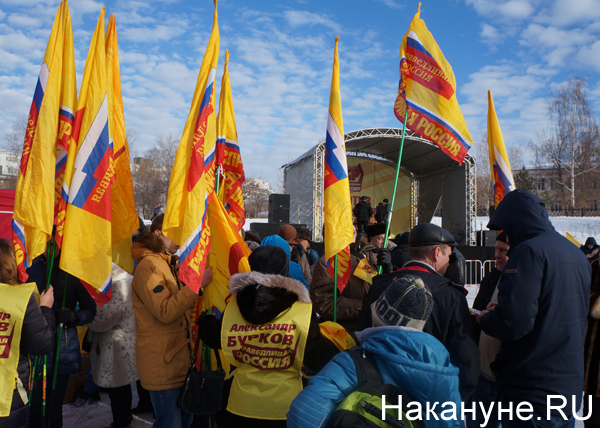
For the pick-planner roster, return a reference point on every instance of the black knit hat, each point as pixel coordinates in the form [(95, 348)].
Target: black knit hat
[(406, 302), (269, 259)]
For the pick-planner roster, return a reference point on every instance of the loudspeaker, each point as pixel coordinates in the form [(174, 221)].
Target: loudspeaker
[(279, 208), (268, 229), (279, 201), (279, 216), (486, 238), (265, 229)]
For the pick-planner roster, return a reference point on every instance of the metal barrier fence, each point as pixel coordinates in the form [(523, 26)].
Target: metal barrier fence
[(475, 270)]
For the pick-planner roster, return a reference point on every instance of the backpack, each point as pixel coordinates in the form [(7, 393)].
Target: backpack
[(362, 407)]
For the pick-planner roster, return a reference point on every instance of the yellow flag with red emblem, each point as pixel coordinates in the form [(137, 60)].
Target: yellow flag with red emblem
[(125, 219), (193, 174), (47, 140), (87, 245)]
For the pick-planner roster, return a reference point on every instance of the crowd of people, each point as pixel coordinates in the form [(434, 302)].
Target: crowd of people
[(403, 320)]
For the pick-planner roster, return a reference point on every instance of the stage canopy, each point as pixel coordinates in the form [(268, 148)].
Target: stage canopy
[(434, 179)]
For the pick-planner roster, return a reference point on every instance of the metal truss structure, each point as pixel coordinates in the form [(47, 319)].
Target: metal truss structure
[(471, 190)]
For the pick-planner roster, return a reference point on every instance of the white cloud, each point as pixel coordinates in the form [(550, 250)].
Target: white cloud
[(563, 13), (503, 10), (297, 18), (161, 32), (21, 20), (392, 4), (490, 34)]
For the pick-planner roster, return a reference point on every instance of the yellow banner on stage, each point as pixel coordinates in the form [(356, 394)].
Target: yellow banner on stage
[(375, 180)]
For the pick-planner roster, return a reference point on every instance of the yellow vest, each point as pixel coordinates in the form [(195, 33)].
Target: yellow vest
[(268, 358), (13, 305)]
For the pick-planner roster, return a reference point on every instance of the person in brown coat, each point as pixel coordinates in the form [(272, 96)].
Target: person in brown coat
[(161, 304), (350, 301)]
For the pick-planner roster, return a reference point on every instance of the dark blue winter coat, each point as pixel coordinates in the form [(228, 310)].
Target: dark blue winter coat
[(77, 299), (416, 362), (543, 299)]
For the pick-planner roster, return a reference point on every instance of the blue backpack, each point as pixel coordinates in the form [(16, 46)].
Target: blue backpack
[(362, 407)]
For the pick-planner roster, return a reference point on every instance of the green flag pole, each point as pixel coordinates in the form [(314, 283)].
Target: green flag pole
[(389, 219), (335, 279), (60, 329), (44, 379), (206, 357)]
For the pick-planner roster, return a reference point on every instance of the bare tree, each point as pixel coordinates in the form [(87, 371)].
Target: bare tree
[(151, 174), (483, 177), (256, 196), (572, 143)]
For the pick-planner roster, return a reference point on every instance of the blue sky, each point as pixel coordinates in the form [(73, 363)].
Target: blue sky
[(281, 58)]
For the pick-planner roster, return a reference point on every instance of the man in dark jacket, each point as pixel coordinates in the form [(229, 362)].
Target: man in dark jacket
[(363, 212), (591, 249), (450, 322), (540, 317)]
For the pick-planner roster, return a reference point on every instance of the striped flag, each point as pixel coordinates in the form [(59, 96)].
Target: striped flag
[(122, 199), (228, 155), (49, 131), (428, 89), (500, 167), (337, 215), (86, 253), (193, 174)]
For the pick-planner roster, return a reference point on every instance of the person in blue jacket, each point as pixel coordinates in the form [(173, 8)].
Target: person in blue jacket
[(295, 271), (415, 362), (541, 314)]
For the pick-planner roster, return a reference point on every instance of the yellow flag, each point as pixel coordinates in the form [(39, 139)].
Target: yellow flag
[(122, 201), (87, 249), (49, 129), (501, 172), (337, 207), (364, 271), (228, 155), (228, 256), (572, 239), (428, 89), (193, 174)]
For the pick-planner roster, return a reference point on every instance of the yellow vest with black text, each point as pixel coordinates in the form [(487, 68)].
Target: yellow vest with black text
[(13, 304), (268, 358)]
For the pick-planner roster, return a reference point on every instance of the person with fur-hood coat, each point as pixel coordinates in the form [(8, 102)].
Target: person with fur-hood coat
[(113, 347), (161, 303), (269, 331)]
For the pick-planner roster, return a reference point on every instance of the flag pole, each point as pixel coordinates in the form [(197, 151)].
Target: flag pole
[(335, 279), (50, 266), (389, 219), (60, 329)]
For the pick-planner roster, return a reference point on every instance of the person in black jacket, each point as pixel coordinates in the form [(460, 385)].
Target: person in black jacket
[(541, 314), (591, 249), (79, 309), (486, 391), (363, 212), (37, 334), (450, 322)]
